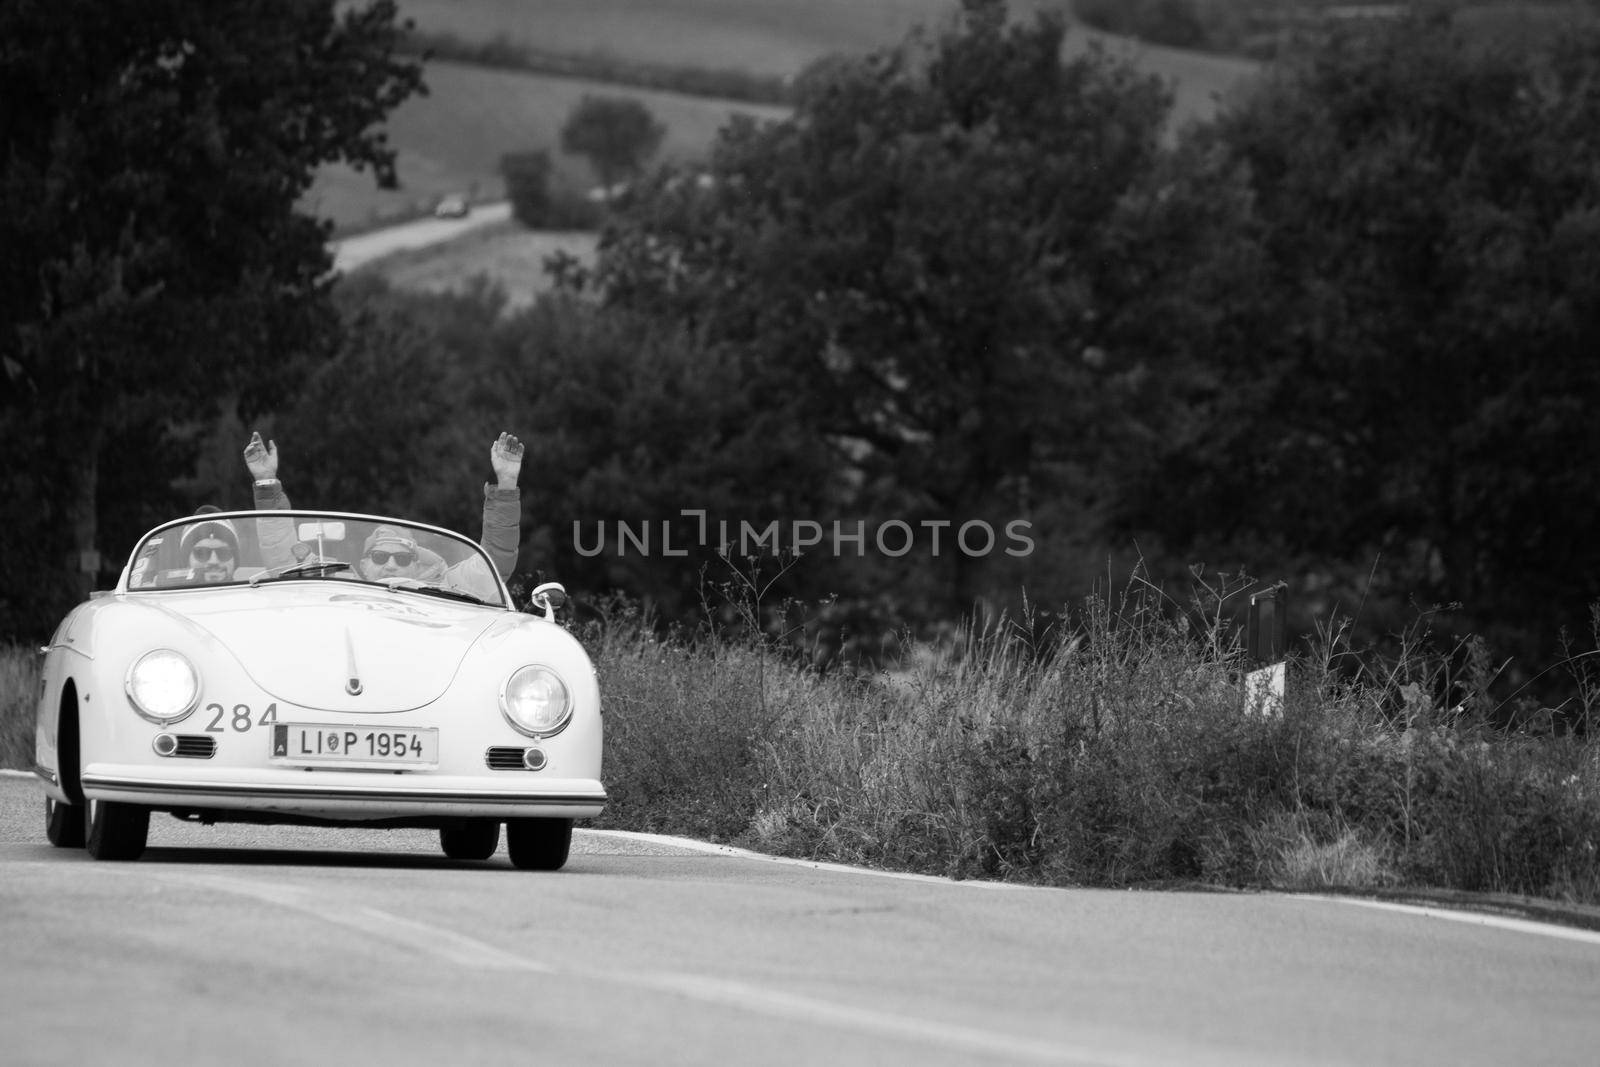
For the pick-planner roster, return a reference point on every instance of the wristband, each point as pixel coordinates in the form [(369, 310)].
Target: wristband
[(262, 483)]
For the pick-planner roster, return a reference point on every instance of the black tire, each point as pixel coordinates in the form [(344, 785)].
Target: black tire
[(538, 844), (63, 823), (117, 831), (475, 840)]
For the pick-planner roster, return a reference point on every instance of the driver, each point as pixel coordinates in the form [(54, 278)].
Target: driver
[(390, 553)]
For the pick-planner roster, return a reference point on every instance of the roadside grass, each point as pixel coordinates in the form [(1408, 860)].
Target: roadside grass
[(19, 682), (1114, 752)]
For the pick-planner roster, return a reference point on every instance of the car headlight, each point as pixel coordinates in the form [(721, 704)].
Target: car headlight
[(163, 686), (535, 702)]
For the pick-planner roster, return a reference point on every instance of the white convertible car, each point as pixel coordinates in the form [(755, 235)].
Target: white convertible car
[(318, 668)]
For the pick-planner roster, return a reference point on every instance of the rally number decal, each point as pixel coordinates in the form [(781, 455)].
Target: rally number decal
[(240, 718)]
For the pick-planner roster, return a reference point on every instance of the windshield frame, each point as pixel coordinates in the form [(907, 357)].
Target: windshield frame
[(149, 544)]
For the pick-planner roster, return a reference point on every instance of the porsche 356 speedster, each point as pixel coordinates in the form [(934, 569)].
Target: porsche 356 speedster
[(318, 668)]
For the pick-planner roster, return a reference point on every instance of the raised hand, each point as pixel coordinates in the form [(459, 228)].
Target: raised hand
[(505, 456), (261, 457)]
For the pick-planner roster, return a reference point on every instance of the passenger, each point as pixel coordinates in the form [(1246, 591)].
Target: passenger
[(211, 547)]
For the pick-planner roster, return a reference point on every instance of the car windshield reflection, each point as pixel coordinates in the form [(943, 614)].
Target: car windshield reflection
[(253, 548)]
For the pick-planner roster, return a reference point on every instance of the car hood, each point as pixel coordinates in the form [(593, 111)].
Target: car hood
[(348, 650)]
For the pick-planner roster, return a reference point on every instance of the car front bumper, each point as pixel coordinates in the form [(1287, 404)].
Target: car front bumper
[(345, 795)]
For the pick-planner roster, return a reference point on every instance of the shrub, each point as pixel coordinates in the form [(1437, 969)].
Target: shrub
[(19, 684)]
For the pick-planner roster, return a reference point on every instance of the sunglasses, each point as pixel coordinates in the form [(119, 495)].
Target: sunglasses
[(401, 559), (219, 553)]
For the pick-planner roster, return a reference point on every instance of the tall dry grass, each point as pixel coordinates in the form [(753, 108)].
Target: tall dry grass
[(1116, 750), (19, 683)]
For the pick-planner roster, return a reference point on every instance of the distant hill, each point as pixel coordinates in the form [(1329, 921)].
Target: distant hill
[(452, 139), (768, 36)]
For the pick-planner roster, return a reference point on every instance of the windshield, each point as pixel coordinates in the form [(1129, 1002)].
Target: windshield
[(254, 547)]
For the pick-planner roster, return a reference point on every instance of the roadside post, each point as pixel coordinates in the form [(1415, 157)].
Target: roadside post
[(1266, 649)]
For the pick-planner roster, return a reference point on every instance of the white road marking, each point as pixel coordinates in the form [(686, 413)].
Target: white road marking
[(464, 951), (795, 1008), (423, 937), (815, 865), (1526, 926), (1499, 922)]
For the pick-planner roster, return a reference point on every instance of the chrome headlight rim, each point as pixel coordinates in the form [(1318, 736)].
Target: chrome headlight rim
[(513, 693), (136, 681)]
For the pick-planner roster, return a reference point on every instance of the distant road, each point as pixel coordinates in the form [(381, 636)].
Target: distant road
[(271, 945), (352, 252)]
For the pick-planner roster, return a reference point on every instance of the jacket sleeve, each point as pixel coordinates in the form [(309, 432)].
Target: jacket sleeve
[(276, 536), (502, 527)]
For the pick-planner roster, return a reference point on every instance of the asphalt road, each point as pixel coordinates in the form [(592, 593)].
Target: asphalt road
[(268, 946)]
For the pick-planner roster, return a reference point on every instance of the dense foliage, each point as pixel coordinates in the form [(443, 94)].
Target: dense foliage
[(155, 270), (1404, 371), (1265, 29), (616, 134), (921, 267), (1341, 335)]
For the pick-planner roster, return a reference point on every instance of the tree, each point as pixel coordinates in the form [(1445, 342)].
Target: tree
[(921, 258), (527, 178), (155, 260), (384, 425), (1409, 369), (617, 135)]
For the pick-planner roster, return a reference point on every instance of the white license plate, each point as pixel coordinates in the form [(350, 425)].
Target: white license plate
[(297, 742)]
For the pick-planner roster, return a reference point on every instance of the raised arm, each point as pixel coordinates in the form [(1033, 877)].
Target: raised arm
[(276, 536), (502, 505), (261, 457)]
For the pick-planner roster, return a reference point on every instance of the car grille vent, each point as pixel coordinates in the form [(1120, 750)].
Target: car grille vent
[(195, 746), (505, 758)]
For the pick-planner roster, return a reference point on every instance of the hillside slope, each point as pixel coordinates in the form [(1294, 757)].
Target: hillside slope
[(452, 139)]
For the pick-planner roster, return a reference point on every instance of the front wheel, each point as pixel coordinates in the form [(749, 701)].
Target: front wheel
[(63, 823), (475, 840), (538, 844), (117, 831)]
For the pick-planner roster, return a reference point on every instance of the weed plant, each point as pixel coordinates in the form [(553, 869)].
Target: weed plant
[(19, 684)]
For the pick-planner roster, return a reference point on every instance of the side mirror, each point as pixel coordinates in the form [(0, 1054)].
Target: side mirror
[(547, 597)]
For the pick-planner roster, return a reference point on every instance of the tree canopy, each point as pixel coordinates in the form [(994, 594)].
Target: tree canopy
[(156, 266), (919, 261), (1406, 369), (1341, 334), (616, 134)]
